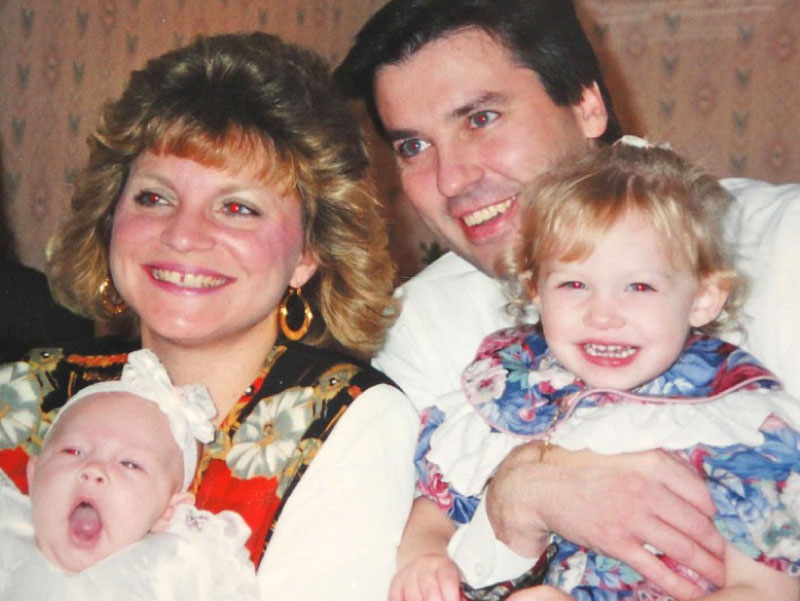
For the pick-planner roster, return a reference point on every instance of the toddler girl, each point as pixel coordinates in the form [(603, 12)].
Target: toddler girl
[(109, 515), (621, 252)]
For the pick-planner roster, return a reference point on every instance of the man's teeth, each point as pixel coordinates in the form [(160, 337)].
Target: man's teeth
[(609, 350), (187, 280), (487, 213)]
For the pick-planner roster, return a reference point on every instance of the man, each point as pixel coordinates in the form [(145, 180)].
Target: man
[(476, 97)]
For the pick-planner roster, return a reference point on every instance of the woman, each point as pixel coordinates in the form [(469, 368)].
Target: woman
[(224, 213)]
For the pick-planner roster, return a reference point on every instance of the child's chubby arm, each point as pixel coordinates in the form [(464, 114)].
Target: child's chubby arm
[(749, 580), (745, 580), (540, 593), (424, 570)]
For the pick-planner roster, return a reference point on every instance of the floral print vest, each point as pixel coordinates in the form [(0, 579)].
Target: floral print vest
[(260, 452)]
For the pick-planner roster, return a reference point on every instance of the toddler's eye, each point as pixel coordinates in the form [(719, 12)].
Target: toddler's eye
[(72, 451), (572, 285), (131, 465), (641, 287)]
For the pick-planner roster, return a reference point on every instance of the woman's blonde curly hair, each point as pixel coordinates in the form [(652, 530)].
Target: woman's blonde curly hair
[(231, 101), (573, 205)]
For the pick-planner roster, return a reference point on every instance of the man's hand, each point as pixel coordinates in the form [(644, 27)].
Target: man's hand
[(612, 504)]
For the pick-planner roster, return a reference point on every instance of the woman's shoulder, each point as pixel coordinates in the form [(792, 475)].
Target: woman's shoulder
[(54, 374), (300, 364)]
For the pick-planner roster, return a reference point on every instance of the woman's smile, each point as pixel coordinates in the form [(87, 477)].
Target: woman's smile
[(188, 280), (194, 270)]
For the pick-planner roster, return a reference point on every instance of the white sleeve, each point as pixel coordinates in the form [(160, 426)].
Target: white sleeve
[(337, 537), (763, 225), (482, 559), (412, 359), (447, 310)]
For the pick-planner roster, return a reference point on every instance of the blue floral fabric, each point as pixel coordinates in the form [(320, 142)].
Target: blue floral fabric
[(517, 386)]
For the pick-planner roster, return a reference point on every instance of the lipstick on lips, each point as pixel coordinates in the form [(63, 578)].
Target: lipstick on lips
[(190, 279)]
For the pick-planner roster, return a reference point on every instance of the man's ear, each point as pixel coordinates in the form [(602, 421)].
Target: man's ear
[(709, 300), (591, 112), (177, 499)]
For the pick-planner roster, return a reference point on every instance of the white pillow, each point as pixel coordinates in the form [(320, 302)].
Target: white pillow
[(764, 225)]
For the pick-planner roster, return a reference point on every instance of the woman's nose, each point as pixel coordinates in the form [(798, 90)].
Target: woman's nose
[(187, 229), (93, 473)]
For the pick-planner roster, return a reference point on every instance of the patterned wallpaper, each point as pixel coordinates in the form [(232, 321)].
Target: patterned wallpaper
[(718, 78)]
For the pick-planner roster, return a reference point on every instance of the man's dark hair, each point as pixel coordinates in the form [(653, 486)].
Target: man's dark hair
[(542, 35)]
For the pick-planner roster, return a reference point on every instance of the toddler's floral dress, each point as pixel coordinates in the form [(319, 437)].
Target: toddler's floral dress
[(716, 408)]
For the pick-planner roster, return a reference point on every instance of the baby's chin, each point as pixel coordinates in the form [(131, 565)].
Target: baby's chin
[(70, 559), (84, 544)]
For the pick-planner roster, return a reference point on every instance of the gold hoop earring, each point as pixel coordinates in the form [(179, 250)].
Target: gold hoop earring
[(283, 315), (110, 298)]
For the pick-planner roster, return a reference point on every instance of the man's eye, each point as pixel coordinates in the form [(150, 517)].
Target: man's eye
[(237, 208), (148, 199), (411, 147), (641, 287), (482, 118)]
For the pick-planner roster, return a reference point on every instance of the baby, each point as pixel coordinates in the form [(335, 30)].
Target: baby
[(109, 508), (621, 252)]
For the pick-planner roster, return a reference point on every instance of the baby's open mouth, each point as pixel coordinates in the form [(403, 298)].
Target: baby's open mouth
[(85, 524)]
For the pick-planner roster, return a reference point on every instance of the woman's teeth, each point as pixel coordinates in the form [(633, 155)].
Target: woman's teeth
[(187, 280)]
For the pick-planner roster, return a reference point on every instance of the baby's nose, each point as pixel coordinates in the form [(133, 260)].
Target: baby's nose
[(93, 473)]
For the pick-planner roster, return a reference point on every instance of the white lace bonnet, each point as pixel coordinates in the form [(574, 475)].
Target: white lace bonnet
[(189, 409)]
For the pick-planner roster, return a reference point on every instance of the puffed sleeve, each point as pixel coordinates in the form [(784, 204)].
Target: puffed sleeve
[(337, 537)]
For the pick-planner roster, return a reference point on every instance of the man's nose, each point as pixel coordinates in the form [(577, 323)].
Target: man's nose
[(457, 169)]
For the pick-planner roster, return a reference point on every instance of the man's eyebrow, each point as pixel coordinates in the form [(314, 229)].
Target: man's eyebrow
[(395, 135), (478, 103)]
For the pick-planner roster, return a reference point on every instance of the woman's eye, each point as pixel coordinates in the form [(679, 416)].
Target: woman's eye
[(239, 209), (148, 199), (411, 147), (482, 118), (641, 287)]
